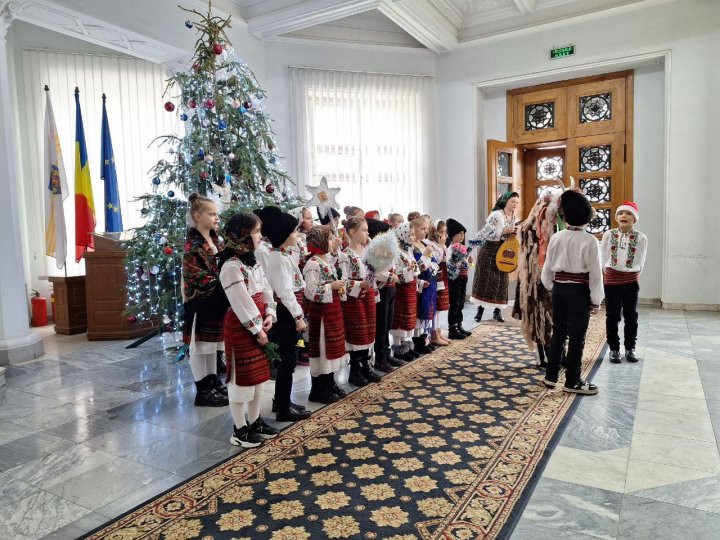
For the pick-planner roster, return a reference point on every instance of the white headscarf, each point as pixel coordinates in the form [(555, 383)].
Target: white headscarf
[(403, 234)]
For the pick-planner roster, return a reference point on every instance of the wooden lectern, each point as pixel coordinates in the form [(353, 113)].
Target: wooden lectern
[(71, 314), (106, 289)]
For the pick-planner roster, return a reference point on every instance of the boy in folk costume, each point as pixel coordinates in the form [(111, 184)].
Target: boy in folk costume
[(300, 255), (573, 273), (405, 313), (623, 258), (288, 286), (204, 301), (385, 308), (247, 322), (436, 240), (359, 303), (458, 265), (327, 333)]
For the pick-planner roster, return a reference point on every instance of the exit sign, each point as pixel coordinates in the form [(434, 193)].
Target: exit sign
[(562, 52)]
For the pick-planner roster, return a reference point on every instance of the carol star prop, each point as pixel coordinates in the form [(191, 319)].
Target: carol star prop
[(323, 197)]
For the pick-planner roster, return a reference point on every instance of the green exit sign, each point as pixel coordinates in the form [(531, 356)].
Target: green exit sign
[(562, 52)]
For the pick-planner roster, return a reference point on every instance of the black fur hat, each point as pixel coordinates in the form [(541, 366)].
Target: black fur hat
[(375, 227), (453, 227), (576, 209), (276, 224)]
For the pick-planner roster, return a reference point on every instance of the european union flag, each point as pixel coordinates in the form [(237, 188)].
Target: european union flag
[(113, 215)]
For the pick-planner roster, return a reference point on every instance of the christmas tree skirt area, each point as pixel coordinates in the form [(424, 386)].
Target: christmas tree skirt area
[(448, 446)]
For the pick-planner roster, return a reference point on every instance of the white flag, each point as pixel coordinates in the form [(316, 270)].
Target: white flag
[(56, 191)]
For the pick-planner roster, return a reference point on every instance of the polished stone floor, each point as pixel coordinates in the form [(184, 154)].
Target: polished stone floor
[(91, 430)]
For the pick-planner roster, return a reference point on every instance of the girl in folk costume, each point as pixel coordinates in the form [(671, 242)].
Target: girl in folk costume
[(623, 258), (250, 317), (490, 286), (458, 265), (385, 308), (327, 333), (405, 312), (436, 240), (426, 286), (359, 303), (287, 284), (533, 302), (204, 301)]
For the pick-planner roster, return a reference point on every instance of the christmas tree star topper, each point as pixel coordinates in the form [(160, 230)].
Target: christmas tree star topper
[(323, 197)]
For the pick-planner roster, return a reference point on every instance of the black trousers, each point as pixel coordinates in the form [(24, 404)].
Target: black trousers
[(621, 299), (384, 311), (283, 333), (571, 315), (458, 286)]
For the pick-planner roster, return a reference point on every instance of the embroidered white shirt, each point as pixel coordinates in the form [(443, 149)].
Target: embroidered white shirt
[(241, 283), (283, 275), (624, 252)]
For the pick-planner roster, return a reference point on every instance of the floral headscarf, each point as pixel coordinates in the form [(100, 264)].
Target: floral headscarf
[(403, 234), (318, 239), (238, 239)]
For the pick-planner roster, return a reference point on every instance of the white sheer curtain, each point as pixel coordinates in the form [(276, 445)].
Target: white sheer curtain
[(370, 134), (134, 90)]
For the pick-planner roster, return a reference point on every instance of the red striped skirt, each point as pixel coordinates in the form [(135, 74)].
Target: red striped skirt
[(250, 366), (615, 277), (443, 295), (359, 318), (329, 316), (299, 296), (405, 315)]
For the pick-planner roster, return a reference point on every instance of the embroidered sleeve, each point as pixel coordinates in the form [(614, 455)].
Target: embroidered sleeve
[(407, 271), (492, 231), (241, 302), (317, 286)]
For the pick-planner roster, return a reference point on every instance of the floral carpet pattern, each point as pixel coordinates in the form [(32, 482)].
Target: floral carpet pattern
[(441, 448)]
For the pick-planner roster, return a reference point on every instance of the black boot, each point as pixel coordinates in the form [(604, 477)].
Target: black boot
[(455, 333), (290, 414), (218, 385), (292, 405), (479, 314), (356, 377), (463, 331), (220, 361), (421, 344), (207, 396), (367, 371), (382, 362), (333, 386), (317, 393), (497, 315), (322, 391), (542, 355)]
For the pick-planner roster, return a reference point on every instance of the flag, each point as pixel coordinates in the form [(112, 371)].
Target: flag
[(55, 188), (84, 204), (113, 215)]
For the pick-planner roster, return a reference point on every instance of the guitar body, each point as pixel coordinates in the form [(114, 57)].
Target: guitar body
[(506, 259)]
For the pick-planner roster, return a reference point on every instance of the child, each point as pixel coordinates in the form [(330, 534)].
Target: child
[(359, 303), (287, 284), (405, 313), (395, 220), (458, 260), (385, 308), (436, 240), (327, 333), (372, 214), (299, 254), (573, 273), (413, 216), (204, 301), (623, 257), (246, 325), (427, 286)]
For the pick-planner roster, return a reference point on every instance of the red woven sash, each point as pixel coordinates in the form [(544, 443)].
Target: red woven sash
[(615, 277), (570, 277)]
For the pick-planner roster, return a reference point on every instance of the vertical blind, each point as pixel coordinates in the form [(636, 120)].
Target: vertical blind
[(134, 90), (369, 134)]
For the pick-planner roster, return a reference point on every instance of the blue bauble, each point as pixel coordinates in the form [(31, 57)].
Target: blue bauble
[(228, 178), (242, 109), (171, 194), (183, 117), (201, 153), (272, 159), (188, 24), (222, 125), (156, 181)]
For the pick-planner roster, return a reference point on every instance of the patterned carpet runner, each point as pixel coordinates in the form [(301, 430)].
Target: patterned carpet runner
[(442, 448)]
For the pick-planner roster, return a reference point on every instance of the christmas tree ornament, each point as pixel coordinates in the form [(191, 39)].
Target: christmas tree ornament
[(247, 105), (231, 156), (272, 159), (188, 24), (217, 48), (144, 211), (270, 188), (222, 125), (145, 276), (228, 178), (156, 181), (169, 106), (162, 240), (171, 194), (236, 103), (204, 175), (208, 159), (192, 104), (132, 319), (154, 270), (323, 197), (209, 103), (168, 250), (183, 117), (201, 153)]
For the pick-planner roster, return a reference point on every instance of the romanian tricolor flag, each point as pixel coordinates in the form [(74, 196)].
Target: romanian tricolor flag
[(55, 188), (84, 203)]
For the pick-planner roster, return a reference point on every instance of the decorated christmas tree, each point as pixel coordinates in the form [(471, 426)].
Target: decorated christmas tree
[(227, 153)]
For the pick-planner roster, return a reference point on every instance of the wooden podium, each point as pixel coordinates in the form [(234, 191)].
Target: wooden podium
[(106, 291), (71, 314)]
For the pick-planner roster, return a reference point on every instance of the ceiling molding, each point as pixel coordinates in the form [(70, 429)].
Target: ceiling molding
[(364, 46), (423, 21), (450, 11), (65, 21), (307, 14), (526, 6)]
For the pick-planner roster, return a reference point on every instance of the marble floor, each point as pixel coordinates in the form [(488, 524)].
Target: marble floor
[(91, 430)]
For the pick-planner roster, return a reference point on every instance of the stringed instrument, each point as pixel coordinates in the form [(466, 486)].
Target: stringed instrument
[(506, 258)]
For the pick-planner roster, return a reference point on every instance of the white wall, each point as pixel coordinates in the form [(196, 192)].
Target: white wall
[(689, 29), (280, 55)]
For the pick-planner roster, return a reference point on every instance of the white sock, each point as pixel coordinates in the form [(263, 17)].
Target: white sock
[(198, 366), (211, 363), (254, 405), (237, 410)]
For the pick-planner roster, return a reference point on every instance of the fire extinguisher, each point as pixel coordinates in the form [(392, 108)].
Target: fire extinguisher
[(39, 309)]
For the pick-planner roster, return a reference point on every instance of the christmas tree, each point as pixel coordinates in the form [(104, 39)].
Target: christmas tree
[(227, 153)]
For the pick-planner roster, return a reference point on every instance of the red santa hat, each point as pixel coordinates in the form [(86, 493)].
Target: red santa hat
[(629, 206)]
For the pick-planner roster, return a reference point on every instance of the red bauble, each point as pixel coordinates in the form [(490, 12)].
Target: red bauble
[(192, 103), (247, 105), (270, 188), (169, 106), (218, 49), (196, 67), (132, 319), (204, 175), (209, 103), (168, 250)]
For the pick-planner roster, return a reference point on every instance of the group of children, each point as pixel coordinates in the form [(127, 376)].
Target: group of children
[(276, 278)]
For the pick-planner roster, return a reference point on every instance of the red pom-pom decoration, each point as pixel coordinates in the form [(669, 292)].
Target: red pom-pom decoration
[(169, 106), (218, 49), (168, 250), (270, 188), (192, 103), (209, 103)]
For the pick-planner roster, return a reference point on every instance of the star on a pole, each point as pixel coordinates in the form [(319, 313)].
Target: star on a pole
[(323, 197)]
